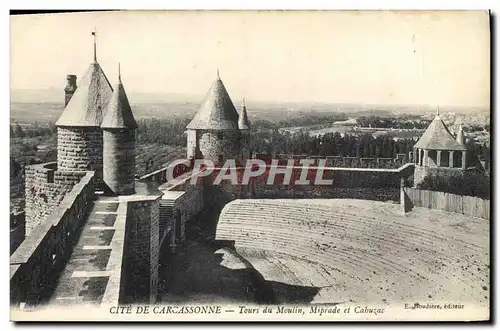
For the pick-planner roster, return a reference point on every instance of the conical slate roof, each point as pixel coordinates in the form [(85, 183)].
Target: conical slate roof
[(243, 122), (437, 137), (217, 111), (118, 114), (86, 106)]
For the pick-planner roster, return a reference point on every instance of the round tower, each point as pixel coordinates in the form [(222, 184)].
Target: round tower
[(213, 133), (79, 136), (119, 128), (244, 126), (460, 136)]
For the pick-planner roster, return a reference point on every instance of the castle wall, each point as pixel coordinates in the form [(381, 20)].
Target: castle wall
[(80, 149), (35, 265), (191, 143), (17, 230), (215, 143), (45, 188), (245, 145), (381, 185), (188, 207), (119, 161), (141, 249)]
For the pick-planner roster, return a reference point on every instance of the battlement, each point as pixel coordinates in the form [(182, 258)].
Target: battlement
[(40, 257), (46, 187)]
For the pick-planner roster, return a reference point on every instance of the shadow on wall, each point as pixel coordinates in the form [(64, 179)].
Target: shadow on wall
[(195, 274), (407, 203)]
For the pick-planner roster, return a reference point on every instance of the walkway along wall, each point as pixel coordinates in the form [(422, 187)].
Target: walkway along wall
[(37, 262), (466, 205)]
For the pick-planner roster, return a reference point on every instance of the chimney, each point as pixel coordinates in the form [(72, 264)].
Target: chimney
[(70, 88)]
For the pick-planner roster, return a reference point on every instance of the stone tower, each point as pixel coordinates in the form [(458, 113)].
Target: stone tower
[(119, 128), (79, 136), (70, 88), (461, 136), (213, 133), (437, 152), (244, 126)]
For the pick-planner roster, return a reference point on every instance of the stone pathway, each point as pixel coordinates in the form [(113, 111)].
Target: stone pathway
[(84, 278)]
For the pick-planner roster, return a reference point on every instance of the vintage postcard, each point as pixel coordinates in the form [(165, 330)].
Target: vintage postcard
[(250, 166)]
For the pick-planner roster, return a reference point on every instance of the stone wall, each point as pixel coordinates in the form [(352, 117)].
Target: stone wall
[(36, 264), (17, 230), (141, 249), (245, 145), (369, 184), (45, 188), (80, 149), (212, 144), (192, 146), (115, 287), (341, 161), (325, 192), (188, 207), (119, 161)]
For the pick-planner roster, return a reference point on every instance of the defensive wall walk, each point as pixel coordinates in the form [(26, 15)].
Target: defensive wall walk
[(91, 269)]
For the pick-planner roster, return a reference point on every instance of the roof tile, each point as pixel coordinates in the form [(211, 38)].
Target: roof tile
[(86, 106), (438, 137), (217, 111)]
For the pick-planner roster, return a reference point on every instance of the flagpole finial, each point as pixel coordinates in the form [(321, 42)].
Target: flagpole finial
[(94, 34)]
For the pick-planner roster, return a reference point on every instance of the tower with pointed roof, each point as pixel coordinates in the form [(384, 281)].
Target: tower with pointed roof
[(244, 126), (437, 151), (213, 133), (79, 136), (460, 135), (119, 127), (69, 89)]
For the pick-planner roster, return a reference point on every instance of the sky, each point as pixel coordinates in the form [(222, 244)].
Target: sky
[(379, 57)]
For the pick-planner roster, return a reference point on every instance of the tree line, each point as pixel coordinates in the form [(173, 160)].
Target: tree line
[(32, 130), (392, 122), (329, 144)]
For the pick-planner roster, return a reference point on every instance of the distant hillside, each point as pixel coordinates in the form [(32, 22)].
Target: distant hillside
[(46, 105), (50, 95), (56, 95), (45, 112)]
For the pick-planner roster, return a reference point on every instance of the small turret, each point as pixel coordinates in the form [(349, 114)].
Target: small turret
[(119, 127), (244, 126), (79, 136), (213, 133), (243, 122), (460, 136), (70, 88)]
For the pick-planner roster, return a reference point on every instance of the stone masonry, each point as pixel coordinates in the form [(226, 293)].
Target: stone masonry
[(219, 144), (80, 149), (141, 250), (45, 189), (119, 161)]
